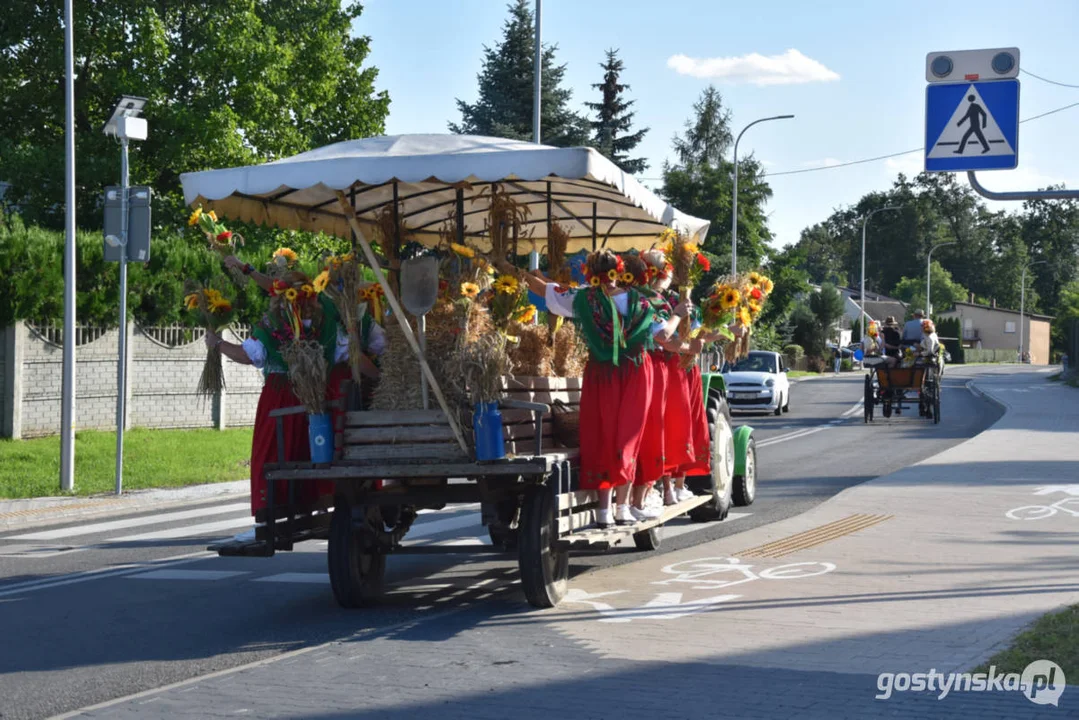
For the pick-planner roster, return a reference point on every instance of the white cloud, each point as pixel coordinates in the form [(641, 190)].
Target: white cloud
[(790, 68)]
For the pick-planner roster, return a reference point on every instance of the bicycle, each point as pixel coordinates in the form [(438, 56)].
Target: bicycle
[(1040, 512)]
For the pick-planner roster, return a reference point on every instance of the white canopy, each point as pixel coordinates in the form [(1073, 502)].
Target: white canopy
[(436, 176)]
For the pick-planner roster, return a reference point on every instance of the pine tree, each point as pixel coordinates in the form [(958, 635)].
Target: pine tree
[(611, 134), (503, 107)]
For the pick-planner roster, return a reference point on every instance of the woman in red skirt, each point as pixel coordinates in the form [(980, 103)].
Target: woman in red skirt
[(618, 326)]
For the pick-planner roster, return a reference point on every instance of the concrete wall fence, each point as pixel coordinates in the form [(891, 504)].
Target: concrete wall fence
[(163, 369)]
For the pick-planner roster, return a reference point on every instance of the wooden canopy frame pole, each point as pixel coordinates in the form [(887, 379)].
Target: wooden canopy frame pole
[(398, 313)]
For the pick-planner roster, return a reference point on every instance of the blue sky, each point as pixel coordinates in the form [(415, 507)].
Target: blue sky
[(859, 67)]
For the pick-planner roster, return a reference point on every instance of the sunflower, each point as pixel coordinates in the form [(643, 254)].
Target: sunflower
[(285, 255), (307, 290), (291, 294), (470, 289), (191, 302), (594, 281), (628, 279), (754, 306), (194, 219), (212, 215), (507, 284), (767, 285), (744, 317), (755, 278), (321, 281), (612, 274), (729, 298), (527, 315), (220, 306), (463, 250)]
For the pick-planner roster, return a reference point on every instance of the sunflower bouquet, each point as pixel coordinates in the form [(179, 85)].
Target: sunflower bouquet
[(343, 283), (216, 313), (295, 321), (221, 240), (736, 302), (508, 300)]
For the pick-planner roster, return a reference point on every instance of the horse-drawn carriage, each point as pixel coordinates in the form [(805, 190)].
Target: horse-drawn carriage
[(894, 389)]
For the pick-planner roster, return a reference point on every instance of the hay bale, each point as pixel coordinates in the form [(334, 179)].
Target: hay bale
[(532, 354), (570, 352)]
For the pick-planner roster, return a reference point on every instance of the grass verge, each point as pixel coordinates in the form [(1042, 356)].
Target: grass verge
[(801, 374), (1053, 637), (152, 459)]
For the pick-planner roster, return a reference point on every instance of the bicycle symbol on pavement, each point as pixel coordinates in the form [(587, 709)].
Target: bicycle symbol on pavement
[(702, 574), (1069, 506)]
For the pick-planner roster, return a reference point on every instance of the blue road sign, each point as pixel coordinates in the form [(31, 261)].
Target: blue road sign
[(972, 126)]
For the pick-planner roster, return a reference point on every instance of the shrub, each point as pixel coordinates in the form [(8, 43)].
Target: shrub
[(846, 365), (793, 353), (816, 364)]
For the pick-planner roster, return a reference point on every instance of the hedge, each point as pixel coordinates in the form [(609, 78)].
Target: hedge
[(32, 277), (990, 356)]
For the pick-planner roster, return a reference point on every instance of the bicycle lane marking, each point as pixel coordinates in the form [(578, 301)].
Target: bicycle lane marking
[(709, 574)]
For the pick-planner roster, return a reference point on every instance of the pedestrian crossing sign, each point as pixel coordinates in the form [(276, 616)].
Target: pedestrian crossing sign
[(972, 126)]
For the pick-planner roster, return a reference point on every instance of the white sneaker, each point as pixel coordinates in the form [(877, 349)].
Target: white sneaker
[(623, 515), (683, 493), (604, 517), (653, 499), (645, 513), (669, 498)]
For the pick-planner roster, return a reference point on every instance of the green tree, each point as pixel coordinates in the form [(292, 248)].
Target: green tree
[(701, 184), (503, 107), (1067, 313), (828, 307), (945, 291), (234, 84), (803, 324), (611, 128)]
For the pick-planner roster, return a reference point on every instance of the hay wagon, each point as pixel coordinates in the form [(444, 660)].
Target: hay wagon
[(391, 464)]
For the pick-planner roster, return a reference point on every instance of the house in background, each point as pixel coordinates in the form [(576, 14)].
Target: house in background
[(987, 327), (877, 307)]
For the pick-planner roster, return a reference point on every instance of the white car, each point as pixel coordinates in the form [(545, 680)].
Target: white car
[(758, 382)]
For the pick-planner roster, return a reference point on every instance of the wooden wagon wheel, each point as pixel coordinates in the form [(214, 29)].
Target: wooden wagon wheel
[(357, 568), (544, 569)]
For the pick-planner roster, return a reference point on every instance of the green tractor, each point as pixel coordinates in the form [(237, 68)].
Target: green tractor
[(734, 457)]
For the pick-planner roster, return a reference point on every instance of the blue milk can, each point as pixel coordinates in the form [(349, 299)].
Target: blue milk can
[(320, 434), (487, 429)]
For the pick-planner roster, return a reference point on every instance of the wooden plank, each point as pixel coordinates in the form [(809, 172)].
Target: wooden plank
[(579, 497), (526, 431), (398, 434), (526, 382), (521, 466), (613, 535), (383, 418), (429, 451), (570, 397)]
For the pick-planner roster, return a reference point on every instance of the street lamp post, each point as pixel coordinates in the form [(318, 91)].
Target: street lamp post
[(1023, 302), (865, 222), (928, 261), (734, 194)]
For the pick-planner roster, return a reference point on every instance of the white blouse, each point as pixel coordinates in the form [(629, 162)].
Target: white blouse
[(561, 303), (256, 351)]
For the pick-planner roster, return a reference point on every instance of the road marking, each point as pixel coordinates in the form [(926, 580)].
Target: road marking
[(441, 526), (96, 528), (810, 431), (297, 578), (189, 574), (100, 573), (207, 529)]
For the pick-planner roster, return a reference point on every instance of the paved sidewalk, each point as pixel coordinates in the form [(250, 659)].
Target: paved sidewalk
[(931, 569), (16, 514)]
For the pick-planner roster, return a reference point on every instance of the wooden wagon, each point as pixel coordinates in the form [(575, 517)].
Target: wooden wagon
[(895, 388)]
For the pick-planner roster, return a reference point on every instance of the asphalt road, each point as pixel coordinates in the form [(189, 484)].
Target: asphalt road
[(106, 608)]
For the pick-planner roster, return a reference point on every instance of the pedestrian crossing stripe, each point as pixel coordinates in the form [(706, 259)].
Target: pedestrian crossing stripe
[(972, 126), (971, 130)]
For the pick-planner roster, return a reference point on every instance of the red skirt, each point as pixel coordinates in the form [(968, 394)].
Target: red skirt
[(614, 407), (677, 420), (651, 464), (701, 464), (276, 394)]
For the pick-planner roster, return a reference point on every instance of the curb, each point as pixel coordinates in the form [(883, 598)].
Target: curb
[(976, 391)]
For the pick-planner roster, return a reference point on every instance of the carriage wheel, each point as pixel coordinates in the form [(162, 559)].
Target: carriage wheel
[(868, 409), (357, 573), (544, 570), (887, 411), (649, 539), (721, 482)]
